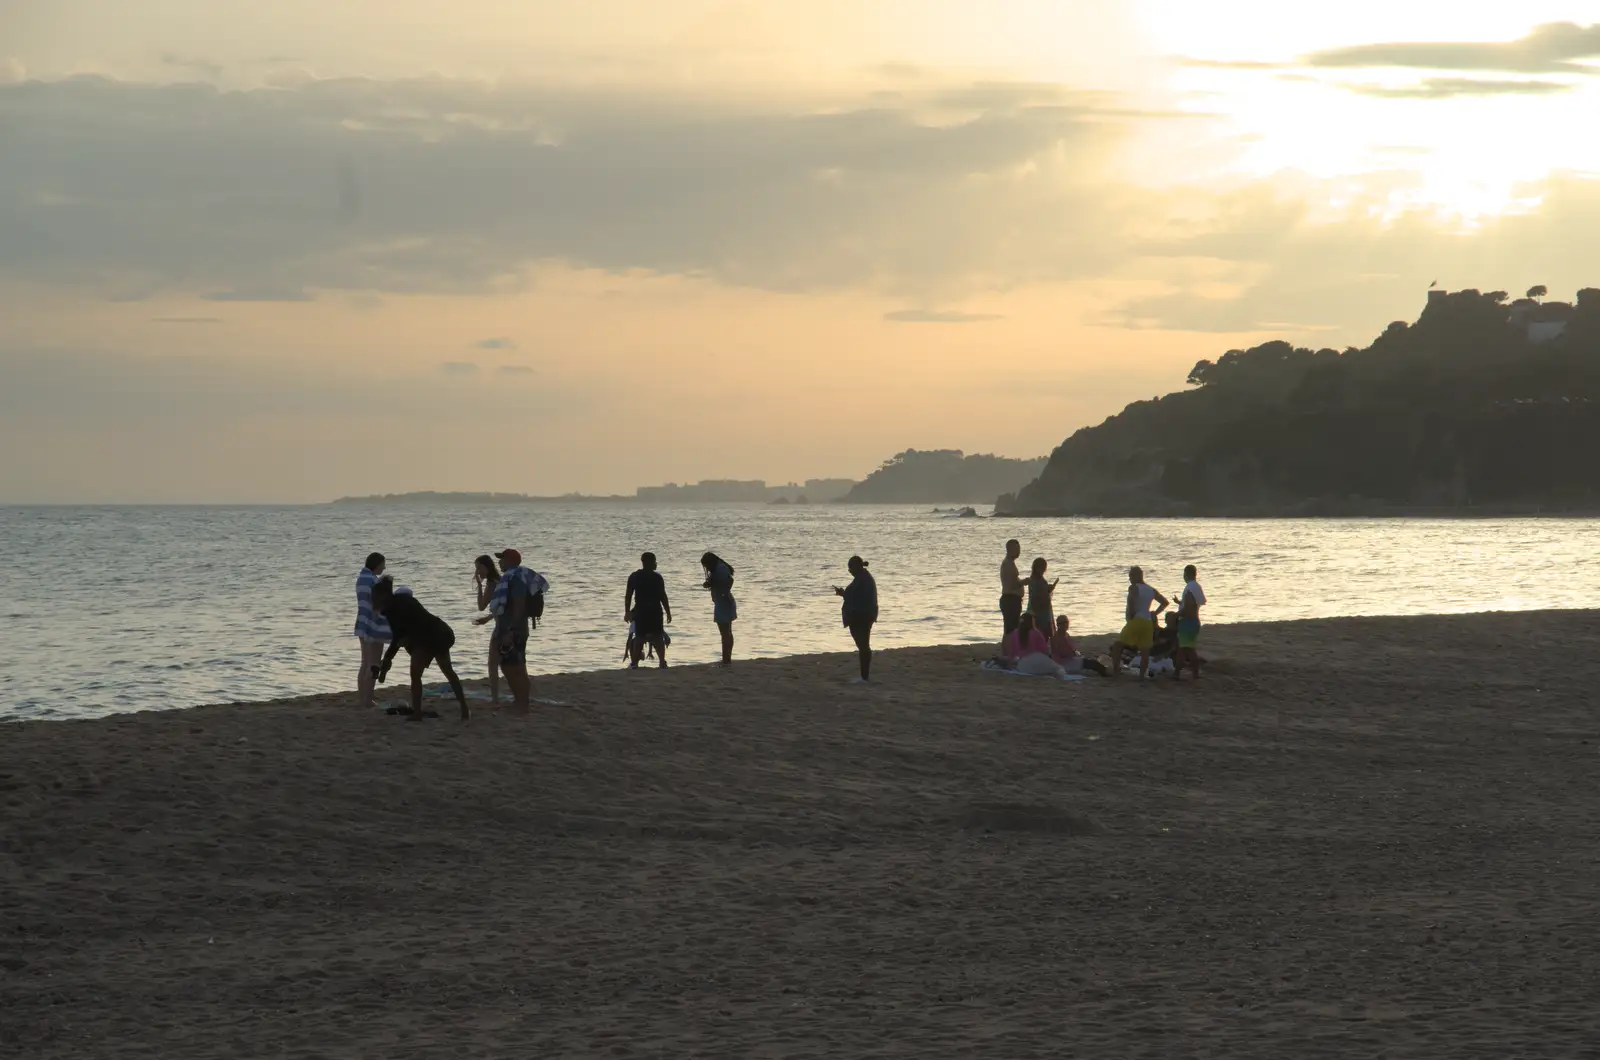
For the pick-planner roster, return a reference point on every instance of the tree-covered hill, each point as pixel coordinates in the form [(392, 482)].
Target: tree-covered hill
[(943, 476), (1484, 404)]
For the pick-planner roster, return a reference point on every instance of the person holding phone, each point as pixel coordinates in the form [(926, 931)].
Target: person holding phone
[(860, 612), (484, 579)]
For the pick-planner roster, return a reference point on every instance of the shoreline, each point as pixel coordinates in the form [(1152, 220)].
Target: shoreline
[(1353, 836)]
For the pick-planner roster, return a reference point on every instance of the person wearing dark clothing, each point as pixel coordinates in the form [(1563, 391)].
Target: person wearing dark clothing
[(426, 637), (724, 609), (860, 611), (645, 604)]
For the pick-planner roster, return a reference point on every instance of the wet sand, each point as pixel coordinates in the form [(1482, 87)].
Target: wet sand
[(1368, 837)]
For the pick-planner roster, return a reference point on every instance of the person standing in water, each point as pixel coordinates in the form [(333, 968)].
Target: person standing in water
[(860, 611), (371, 630), (486, 579), (645, 604), (724, 609), (426, 637), (1010, 588), (1140, 631), (1189, 605), (1039, 594)]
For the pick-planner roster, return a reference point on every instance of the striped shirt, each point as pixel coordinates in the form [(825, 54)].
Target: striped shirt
[(368, 625), (532, 584)]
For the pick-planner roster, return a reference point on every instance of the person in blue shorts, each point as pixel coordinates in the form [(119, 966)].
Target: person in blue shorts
[(1194, 598)]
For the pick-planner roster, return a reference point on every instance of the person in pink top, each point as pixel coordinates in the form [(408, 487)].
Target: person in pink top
[(1024, 641)]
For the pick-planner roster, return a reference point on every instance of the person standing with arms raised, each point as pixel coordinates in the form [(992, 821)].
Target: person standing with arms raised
[(724, 609), (645, 604), (860, 612), (1010, 588), (371, 629)]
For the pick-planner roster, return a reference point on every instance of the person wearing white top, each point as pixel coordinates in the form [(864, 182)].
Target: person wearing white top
[(1194, 598), (1140, 631)]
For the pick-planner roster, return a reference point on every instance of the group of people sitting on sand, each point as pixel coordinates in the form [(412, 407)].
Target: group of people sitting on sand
[(1038, 641), (513, 597)]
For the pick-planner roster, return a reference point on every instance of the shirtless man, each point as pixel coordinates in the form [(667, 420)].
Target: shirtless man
[(1010, 588)]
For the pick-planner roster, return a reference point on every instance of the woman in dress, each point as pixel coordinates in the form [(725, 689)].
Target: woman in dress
[(1039, 594), (724, 609), (485, 576), (371, 630), (860, 611)]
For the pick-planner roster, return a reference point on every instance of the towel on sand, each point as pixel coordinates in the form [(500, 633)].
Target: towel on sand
[(1033, 666)]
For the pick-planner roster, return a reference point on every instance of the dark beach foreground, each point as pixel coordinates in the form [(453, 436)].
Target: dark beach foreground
[(1366, 837)]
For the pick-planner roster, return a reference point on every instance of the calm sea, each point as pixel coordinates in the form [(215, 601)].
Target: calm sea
[(121, 609)]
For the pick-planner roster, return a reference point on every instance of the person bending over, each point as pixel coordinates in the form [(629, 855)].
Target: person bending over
[(426, 637), (645, 604)]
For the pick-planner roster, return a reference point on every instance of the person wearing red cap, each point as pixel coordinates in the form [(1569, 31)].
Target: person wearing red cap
[(511, 607)]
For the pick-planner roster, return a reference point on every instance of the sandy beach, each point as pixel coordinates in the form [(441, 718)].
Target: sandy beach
[(1362, 837)]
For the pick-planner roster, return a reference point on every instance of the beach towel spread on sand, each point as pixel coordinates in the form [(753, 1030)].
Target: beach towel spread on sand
[(1031, 670)]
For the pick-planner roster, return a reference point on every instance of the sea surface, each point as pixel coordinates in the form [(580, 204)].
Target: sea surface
[(111, 609)]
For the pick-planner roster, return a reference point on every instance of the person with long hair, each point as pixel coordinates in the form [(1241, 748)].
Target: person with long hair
[(1040, 593), (860, 612), (427, 638), (371, 630), (724, 609), (485, 576), (1140, 631)]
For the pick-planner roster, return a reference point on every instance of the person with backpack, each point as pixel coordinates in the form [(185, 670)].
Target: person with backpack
[(517, 603)]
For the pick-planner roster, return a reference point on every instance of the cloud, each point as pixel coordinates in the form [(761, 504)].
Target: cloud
[(258, 294), (459, 368), (515, 369), (1453, 87), (1295, 272), (448, 186), (495, 344), (1548, 49), (186, 320), (933, 316)]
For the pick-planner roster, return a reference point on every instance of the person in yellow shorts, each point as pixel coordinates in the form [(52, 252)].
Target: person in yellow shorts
[(1144, 604)]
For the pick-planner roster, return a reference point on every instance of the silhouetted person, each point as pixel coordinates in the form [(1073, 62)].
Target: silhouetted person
[(860, 611), (645, 604), (1010, 588), (724, 609), (1189, 605), (512, 607), (1039, 594), (485, 579), (1140, 630), (425, 637), (371, 630)]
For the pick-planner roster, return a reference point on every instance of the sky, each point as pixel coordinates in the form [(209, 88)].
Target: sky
[(284, 251)]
